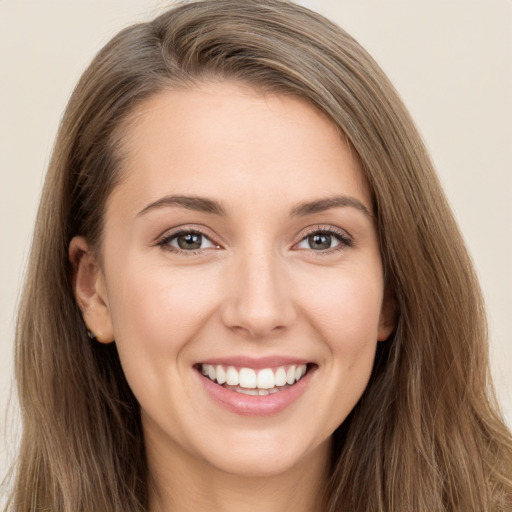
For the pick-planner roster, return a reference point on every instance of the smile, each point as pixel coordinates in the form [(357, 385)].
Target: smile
[(257, 382)]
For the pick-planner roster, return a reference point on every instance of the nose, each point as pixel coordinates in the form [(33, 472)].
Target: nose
[(258, 296)]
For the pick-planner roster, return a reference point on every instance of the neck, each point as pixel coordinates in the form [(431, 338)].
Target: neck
[(185, 484)]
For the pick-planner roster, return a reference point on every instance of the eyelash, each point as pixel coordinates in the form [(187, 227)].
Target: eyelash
[(164, 242), (343, 239)]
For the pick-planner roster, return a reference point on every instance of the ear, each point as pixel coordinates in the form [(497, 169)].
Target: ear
[(387, 319), (90, 291)]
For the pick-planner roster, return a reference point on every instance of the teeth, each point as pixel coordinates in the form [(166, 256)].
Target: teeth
[(255, 382), (266, 379), (247, 378), (232, 378), (290, 375), (244, 391), (280, 378), (221, 374)]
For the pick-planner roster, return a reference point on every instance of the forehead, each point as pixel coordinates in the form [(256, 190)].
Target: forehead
[(235, 143)]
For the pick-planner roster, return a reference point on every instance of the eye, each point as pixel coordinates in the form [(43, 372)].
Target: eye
[(322, 240), (188, 241)]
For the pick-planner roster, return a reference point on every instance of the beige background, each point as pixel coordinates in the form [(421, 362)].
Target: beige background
[(451, 61)]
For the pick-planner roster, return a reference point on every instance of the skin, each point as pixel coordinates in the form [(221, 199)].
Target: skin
[(256, 287)]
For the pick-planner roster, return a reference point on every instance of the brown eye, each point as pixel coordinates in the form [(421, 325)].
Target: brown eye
[(325, 240), (189, 241), (186, 241), (319, 241)]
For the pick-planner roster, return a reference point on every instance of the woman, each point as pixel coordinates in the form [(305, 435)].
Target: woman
[(246, 289)]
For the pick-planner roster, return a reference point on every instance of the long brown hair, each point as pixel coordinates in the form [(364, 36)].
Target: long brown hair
[(426, 436)]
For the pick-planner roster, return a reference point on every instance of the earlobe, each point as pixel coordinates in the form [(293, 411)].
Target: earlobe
[(88, 284), (387, 319)]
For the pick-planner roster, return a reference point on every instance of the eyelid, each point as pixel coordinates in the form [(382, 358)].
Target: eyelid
[(343, 236), (164, 239)]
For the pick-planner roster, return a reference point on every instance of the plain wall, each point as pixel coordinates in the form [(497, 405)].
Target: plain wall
[(450, 60)]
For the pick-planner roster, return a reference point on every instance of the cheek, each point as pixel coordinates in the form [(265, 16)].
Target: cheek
[(347, 320), (341, 311), (155, 313), (345, 307), (346, 314), (158, 303)]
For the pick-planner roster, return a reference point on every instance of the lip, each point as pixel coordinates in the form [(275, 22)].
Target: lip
[(255, 363), (257, 406)]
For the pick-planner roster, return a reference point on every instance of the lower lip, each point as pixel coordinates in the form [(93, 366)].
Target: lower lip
[(250, 405)]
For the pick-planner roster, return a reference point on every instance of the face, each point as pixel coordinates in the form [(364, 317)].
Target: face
[(240, 244)]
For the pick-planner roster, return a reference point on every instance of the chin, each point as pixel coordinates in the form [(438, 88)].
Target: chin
[(268, 457)]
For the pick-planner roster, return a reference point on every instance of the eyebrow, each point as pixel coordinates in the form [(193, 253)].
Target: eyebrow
[(211, 206), (198, 204), (321, 205)]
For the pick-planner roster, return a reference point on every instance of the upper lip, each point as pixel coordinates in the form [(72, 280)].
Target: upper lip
[(255, 362)]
